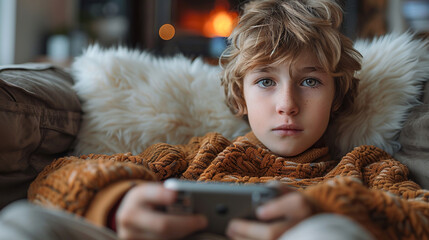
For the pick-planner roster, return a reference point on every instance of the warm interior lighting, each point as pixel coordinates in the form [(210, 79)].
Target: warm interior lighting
[(219, 22), (166, 32), (222, 24)]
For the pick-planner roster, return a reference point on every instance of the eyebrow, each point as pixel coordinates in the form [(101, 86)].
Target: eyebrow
[(312, 69), (308, 69), (263, 69)]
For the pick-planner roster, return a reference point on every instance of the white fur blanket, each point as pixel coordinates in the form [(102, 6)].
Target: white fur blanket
[(132, 99), (393, 69)]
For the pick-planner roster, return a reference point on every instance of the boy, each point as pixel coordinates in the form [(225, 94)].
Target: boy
[(288, 70)]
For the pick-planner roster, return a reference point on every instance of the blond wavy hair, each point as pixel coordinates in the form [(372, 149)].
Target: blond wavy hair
[(275, 31)]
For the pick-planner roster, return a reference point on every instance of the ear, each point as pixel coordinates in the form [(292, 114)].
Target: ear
[(335, 107), (244, 103), (242, 107), (336, 103)]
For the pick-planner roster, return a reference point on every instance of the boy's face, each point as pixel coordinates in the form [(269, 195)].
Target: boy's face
[(289, 114)]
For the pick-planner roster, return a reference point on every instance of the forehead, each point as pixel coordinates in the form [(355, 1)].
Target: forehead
[(306, 57), (305, 61)]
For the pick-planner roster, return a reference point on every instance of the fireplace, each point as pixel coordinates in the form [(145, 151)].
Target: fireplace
[(167, 27), (191, 27), (210, 19), (194, 27)]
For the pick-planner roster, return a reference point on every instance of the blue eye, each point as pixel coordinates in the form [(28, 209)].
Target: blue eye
[(310, 82), (265, 83)]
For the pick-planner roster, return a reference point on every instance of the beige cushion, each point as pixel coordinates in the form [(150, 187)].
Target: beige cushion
[(40, 117)]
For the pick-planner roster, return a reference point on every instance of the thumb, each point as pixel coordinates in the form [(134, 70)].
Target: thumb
[(290, 206)]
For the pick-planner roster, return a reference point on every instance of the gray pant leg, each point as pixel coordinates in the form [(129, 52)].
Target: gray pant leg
[(327, 227), (23, 220)]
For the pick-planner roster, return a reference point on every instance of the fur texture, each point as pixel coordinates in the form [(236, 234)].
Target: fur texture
[(132, 99), (393, 69)]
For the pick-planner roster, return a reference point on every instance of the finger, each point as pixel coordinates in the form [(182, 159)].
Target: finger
[(293, 206), (281, 187), (134, 230), (145, 222), (135, 206), (130, 233), (152, 193), (168, 225), (127, 227), (140, 235), (244, 229), (239, 238)]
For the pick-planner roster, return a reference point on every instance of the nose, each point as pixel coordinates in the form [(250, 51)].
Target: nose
[(287, 103)]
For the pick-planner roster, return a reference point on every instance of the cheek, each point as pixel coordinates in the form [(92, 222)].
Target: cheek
[(257, 103), (255, 111), (325, 113), (320, 109), (252, 107), (327, 103), (249, 101)]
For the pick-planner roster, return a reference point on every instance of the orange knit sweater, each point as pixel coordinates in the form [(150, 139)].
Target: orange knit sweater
[(366, 185)]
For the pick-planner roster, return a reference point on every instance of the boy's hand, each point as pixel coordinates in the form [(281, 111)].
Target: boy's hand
[(137, 217), (278, 216)]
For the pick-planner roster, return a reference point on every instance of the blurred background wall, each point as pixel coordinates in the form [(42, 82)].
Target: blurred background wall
[(58, 30)]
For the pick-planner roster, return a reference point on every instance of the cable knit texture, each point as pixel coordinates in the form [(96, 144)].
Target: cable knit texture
[(367, 184)]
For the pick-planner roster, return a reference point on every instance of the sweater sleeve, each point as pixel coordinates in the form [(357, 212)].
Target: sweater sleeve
[(383, 200), (91, 185), (106, 200), (73, 183), (184, 161)]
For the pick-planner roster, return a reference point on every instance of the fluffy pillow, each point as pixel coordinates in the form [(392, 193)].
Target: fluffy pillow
[(132, 99), (393, 69)]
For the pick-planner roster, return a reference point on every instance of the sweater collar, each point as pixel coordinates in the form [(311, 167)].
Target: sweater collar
[(311, 155)]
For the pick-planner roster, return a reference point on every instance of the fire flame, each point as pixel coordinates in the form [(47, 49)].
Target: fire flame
[(218, 23)]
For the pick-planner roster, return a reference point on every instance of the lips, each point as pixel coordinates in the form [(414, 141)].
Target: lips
[(287, 130)]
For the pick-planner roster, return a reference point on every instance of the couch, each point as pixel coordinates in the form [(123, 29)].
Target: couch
[(115, 100), (40, 118)]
